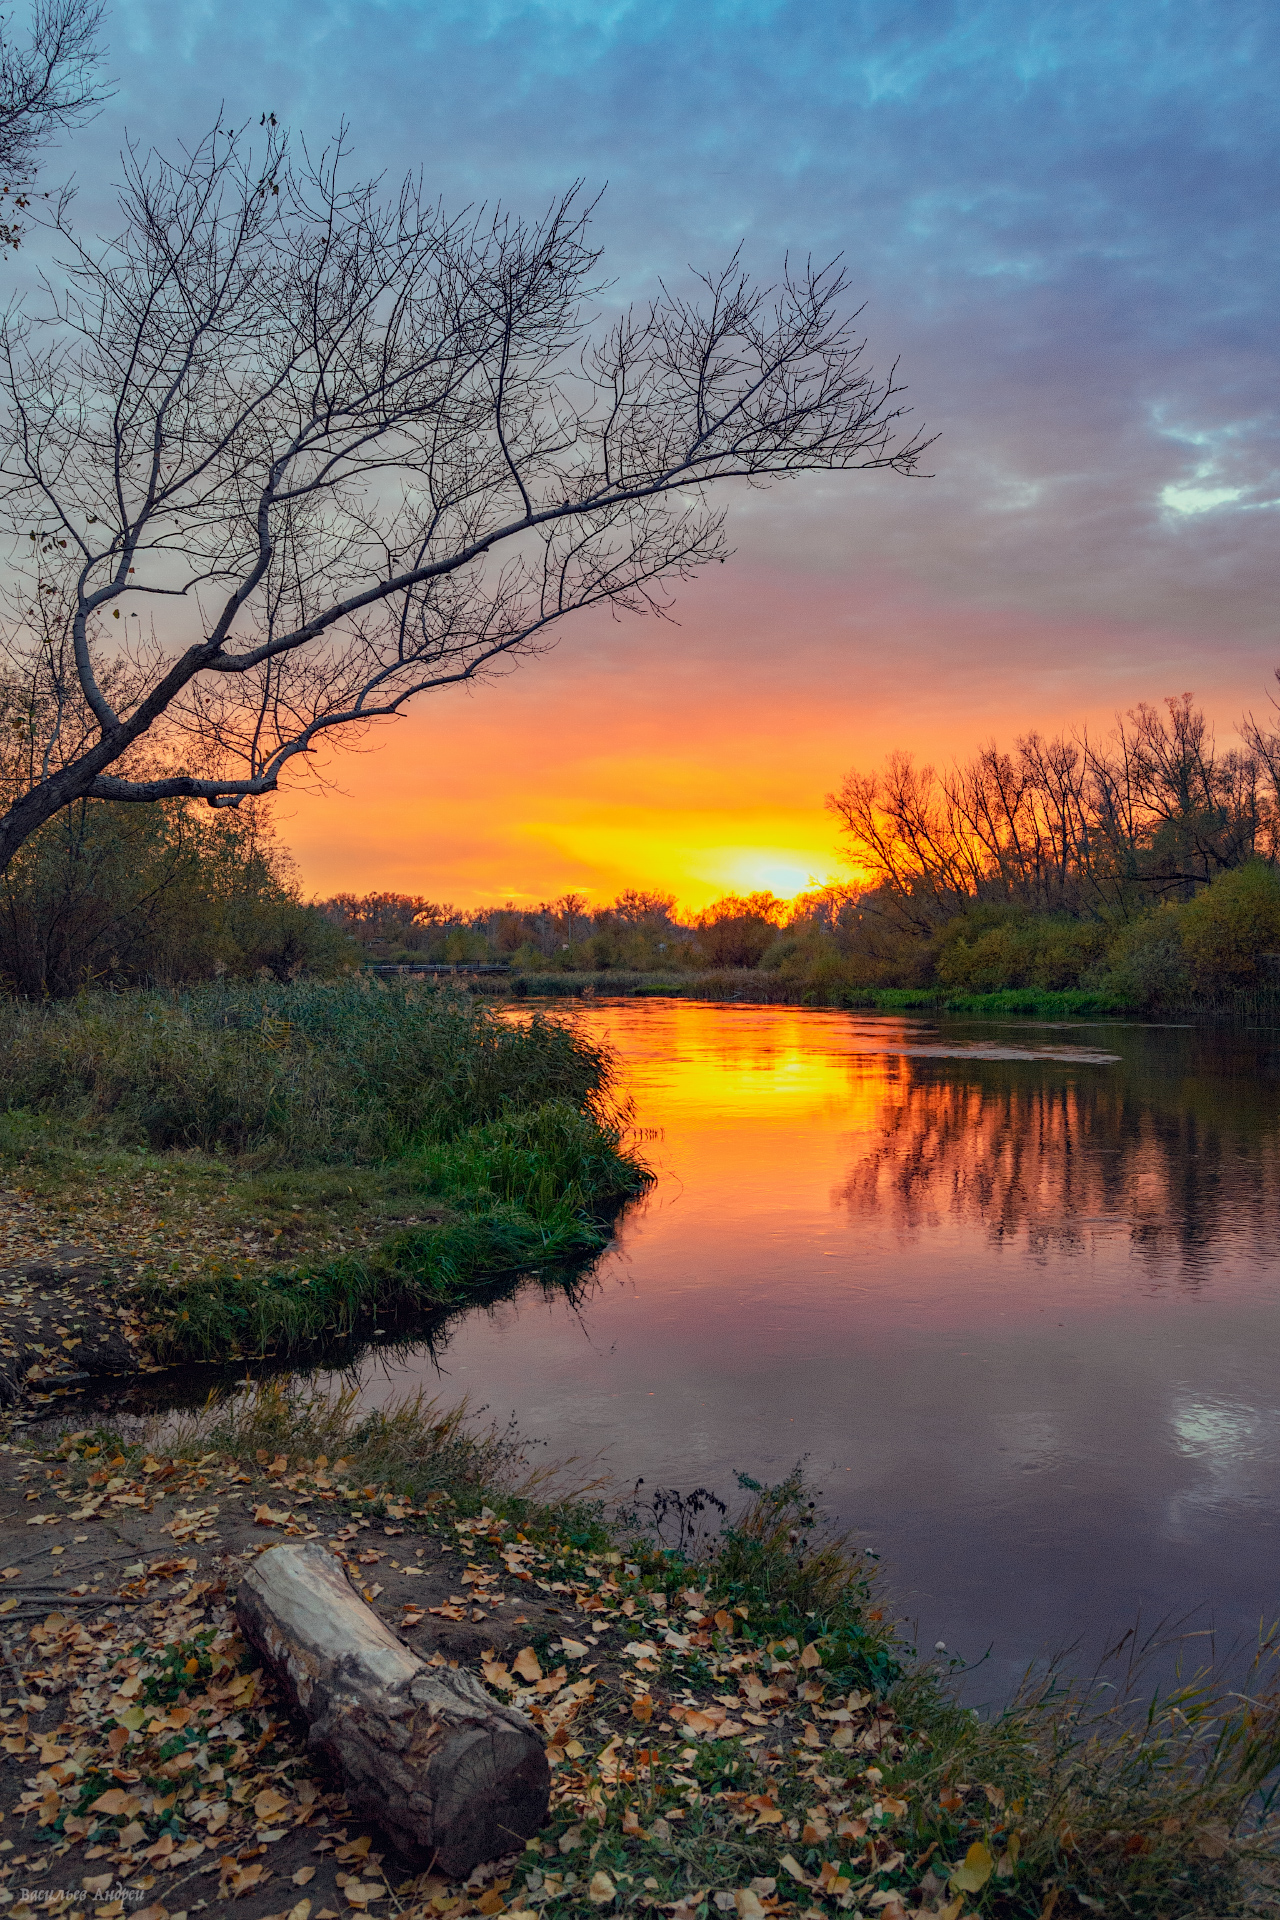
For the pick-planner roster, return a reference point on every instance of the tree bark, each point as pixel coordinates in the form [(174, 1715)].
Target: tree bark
[(424, 1751)]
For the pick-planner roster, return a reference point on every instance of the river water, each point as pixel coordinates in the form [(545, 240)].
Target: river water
[(1012, 1291)]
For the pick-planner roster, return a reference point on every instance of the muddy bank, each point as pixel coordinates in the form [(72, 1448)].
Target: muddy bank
[(64, 1326)]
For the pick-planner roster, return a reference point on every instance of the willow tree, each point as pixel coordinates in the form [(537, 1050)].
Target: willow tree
[(284, 453)]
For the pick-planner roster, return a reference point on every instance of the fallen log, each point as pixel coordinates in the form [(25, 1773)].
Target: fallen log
[(424, 1751)]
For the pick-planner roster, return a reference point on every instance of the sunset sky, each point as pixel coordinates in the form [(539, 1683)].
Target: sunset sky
[(1063, 218)]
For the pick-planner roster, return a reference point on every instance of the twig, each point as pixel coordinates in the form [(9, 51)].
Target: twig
[(10, 1661)]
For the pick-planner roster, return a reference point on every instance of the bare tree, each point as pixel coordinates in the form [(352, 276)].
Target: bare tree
[(46, 85), (344, 449), (1155, 809)]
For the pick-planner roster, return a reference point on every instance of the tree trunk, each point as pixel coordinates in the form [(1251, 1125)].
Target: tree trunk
[(424, 1751)]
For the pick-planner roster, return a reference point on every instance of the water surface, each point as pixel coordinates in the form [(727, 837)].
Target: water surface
[(1011, 1290)]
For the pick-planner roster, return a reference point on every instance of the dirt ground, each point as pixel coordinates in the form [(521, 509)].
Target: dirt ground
[(204, 1792)]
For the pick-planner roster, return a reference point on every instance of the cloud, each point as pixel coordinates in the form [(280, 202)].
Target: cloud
[(1061, 218)]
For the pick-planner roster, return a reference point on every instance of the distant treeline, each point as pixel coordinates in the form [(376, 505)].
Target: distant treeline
[(639, 931), (1141, 868)]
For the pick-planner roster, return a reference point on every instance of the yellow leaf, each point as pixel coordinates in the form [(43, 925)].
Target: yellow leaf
[(268, 1804), (811, 1657), (975, 1871), (602, 1890), (642, 1708), (304, 1876), (526, 1665), (303, 1909), (115, 1801), (791, 1865)]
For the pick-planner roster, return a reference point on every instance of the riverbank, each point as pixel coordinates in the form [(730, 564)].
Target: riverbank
[(266, 1169), (735, 1724), (759, 987)]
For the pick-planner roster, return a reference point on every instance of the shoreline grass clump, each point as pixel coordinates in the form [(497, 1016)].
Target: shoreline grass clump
[(756, 1736), (441, 1143)]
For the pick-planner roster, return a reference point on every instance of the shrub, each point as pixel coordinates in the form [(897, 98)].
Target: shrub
[(993, 947), (162, 895), (1229, 928), (310, 1071)]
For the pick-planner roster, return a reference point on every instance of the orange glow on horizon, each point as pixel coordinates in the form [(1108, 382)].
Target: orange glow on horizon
[(695, 759)]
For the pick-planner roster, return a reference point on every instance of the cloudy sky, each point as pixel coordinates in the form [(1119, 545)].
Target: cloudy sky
[(1062, 218)]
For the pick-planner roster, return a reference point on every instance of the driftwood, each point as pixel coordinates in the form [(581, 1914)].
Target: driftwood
[(424, 1751)]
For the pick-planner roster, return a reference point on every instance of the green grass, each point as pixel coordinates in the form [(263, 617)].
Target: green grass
[(767, 988), (535, 1190), (316, 1155), (1072, 1003)]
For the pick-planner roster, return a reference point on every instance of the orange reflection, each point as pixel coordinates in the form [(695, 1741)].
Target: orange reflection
[(790, 1120)]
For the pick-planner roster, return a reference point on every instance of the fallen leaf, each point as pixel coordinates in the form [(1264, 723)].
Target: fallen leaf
[(642, 1708), (811, 1657), (975, 1870), (304, 1876), (526, 1665), (115, 1801), (701, 1723), (791, 1865), (268, 1804), (602, 1890)]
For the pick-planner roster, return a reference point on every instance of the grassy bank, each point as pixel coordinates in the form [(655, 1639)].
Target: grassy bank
[(759, 986), (277, 1165), (747, 1731)]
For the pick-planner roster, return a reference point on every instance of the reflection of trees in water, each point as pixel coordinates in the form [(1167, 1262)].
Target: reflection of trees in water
[(1060, 1155)]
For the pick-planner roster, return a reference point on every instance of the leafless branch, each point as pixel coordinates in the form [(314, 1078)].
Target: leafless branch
[(288, 452)]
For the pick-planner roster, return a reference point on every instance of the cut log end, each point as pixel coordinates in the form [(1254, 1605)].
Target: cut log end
[(453, 1776)]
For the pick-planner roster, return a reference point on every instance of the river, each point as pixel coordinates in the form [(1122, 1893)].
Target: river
[(1011, 1291)]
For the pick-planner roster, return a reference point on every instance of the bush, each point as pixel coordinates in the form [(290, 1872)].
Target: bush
[(156, 895), (738, 930), (993, 947), (290, 1074), (1229, 928), (1146, 962)]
